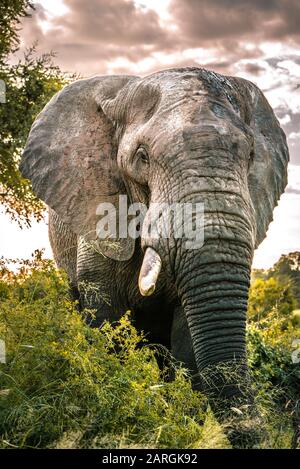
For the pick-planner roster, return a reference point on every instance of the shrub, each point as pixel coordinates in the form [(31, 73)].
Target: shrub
[(65, 384), (68, 384), (268, 294), (276, 380)]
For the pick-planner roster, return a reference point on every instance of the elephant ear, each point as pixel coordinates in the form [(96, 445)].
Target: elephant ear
[(70, 159), (267, 176)]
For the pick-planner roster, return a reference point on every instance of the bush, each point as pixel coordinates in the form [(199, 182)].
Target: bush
[(65, 384), (68, 384), (277, 382), (296, 318), (269, 294)]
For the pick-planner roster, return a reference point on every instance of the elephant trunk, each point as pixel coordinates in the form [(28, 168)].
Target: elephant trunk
[(214, 297), (212, 283)]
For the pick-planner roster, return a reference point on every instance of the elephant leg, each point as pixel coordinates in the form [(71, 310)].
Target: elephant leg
[(181, 344), (94, 280), (64, 247)]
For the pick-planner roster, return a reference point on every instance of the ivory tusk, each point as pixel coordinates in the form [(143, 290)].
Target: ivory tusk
[(149, 272)]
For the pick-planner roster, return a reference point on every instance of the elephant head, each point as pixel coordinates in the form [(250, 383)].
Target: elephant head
[(177, 136)]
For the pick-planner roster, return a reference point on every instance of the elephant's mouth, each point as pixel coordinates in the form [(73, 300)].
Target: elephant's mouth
[(149, 272)]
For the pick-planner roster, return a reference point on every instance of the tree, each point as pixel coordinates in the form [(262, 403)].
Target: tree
[(268, 295), (11, 12), (288, 266), (29, 84)]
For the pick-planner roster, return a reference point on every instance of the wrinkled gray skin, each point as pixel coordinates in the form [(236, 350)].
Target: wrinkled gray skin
[(210, 139)]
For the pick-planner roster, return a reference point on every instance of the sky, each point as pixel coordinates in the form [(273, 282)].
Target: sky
[(255, 39)]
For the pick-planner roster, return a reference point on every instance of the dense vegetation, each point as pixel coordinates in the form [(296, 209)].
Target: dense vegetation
[(67, 385)]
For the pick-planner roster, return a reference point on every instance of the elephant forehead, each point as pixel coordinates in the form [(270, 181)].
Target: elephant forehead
[(191, 79), (194, 110)]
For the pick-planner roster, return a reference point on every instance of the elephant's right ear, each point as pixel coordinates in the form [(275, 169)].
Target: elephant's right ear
[(267, 177), (70, 158)]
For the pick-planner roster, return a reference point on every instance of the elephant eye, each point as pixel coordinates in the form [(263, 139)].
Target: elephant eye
[(142, 155)]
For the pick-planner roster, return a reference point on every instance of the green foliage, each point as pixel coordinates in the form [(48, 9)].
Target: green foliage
[(296, 318), (67, 385), (277, 382), (285, 271), (30, 83), (273, 334), (11, 11), (269, 294), (271, 362), (288, 266)]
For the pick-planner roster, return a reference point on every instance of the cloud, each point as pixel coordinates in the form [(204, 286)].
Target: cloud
[(253, 68), (117, 22), (291, 129), (294, 136), (235, 20), (284, 119), (123, 36), (90, 35), (293, 180)]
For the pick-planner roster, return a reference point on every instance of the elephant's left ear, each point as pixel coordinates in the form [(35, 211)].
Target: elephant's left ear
[(70, 159), (267, 177)]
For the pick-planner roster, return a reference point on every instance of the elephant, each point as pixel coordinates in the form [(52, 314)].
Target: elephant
[(182, 135)]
